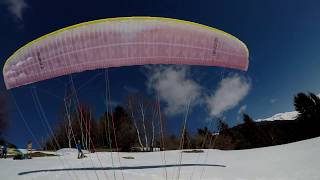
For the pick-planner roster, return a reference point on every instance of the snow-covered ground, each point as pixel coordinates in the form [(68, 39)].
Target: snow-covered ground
[(69, 152), (296, 161)]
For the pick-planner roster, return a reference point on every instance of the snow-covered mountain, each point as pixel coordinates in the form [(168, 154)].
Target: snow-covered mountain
[(281, 116)]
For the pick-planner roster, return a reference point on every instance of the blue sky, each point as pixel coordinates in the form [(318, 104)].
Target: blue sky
[(282, 36)]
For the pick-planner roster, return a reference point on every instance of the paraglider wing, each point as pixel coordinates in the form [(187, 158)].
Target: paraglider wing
[(123, 42)]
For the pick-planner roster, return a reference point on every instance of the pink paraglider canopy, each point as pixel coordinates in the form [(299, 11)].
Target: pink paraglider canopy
[(123, 42)]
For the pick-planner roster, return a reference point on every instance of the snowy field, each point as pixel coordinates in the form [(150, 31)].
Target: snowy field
[(296, 161)]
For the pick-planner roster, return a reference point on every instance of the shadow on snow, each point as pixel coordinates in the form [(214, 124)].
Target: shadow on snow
[(119, 168)]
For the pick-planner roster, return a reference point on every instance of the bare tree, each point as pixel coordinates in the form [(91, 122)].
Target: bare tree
[(131, 102), (145, 115), (67, 120), (87, 121)]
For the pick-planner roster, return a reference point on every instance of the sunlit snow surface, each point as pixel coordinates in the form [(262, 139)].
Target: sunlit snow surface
[(296, 161), (282, 116)]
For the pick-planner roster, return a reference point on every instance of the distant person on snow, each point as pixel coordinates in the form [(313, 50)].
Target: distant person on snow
[(4, 150), (29, 149), (80, 153)]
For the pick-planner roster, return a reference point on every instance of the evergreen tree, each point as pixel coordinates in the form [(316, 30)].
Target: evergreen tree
[(203, 132), (308, 106), (222, 126), (125, 129), (247, 119)]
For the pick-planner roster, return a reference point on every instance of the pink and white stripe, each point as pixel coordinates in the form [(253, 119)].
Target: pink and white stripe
[(123, 43)]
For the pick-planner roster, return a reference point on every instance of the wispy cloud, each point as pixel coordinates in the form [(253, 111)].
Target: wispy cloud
[(16, 7), (230, 92), (174, 86)]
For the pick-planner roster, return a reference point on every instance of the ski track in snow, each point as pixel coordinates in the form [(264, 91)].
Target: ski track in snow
[(295, 161)]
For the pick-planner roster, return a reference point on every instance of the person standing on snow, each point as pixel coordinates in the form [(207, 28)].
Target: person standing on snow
[(80, 153), (4, 150), (29, 149)]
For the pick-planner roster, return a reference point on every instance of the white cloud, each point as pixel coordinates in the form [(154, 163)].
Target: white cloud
[(230, 92), (16, 7), (174, 87)]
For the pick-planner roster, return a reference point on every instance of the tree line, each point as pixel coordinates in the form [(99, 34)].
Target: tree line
[(140, 125), (251, 134)]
